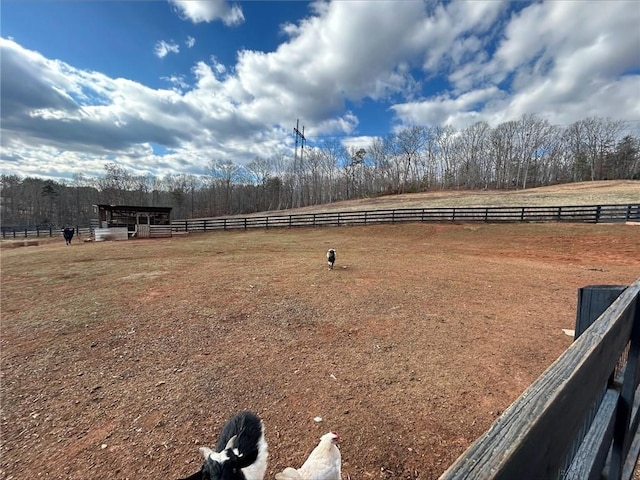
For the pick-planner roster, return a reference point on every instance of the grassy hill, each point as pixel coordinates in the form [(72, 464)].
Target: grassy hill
[(582, 193)]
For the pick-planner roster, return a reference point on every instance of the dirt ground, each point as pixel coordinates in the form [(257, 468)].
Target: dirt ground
[(120, 359)]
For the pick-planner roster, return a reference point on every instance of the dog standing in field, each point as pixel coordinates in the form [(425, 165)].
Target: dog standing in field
[(331, 257)]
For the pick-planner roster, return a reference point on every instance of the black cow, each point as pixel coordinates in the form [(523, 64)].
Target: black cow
[(68, 235)]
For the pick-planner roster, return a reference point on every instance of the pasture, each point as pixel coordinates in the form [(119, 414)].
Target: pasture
[(120, 359)]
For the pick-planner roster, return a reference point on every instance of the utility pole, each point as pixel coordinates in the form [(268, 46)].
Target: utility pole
[(303, 140)]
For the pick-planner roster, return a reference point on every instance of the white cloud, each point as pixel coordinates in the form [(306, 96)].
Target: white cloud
[(357, 53), (207, 11), (560, 60), (458, 111), (178, 81), (358, 142), (162, 48), (48, 113), (452, 32), (349, 52), (190, 41), (454, 63)]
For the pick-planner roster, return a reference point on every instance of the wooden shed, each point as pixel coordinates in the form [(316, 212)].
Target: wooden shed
[(120, 222)]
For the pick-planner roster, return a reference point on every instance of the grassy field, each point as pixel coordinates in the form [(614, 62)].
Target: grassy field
[(582, 193)]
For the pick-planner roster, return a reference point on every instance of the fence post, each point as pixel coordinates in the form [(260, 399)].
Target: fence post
[(593, 300), (624, 430), (598, 208)]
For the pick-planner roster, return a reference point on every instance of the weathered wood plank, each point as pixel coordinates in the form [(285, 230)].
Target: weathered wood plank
[(623, 436), (590, 459), (159, 231), (531, 438), (631, 462), (592, 301)]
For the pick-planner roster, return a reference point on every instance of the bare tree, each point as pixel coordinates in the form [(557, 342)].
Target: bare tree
[(313, 166), (475, 160), (590, 141), (624, 162), (115, 185), (428, 158), (281, 185), (445, 140), (553, 159), (407, 146), (380, 166), (354, 169), (261, 171), (502, 149), (222, 175), (575, 143), (332, 155)]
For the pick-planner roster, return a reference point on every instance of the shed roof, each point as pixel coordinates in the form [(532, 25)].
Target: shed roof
[(134, 208)]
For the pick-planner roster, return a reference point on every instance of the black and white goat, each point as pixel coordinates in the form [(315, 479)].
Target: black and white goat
[(68, 235), (241, 452), (331, 257)]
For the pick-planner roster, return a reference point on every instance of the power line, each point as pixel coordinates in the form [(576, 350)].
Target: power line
[(303, 140), (301, 136)]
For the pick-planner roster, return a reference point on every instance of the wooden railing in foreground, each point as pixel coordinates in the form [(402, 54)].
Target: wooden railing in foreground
[(578, 420), (581, 213)]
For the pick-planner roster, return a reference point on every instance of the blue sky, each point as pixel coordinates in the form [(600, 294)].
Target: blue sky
[(165, 87)]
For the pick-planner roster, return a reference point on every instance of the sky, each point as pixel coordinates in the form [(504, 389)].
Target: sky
[(166, 87)]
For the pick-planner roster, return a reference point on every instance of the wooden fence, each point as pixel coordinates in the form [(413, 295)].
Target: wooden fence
[(578, 420), (575, 213), (588, 214), (8, 233)]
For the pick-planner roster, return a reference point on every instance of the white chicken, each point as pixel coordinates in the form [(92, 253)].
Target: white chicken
[(323, 463)]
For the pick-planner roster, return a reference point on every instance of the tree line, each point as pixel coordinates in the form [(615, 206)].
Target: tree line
[(518, 154)]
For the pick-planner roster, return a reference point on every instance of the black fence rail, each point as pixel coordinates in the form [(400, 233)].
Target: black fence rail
[(9, 233), (579, 419), (581, 213), (568, 213)]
